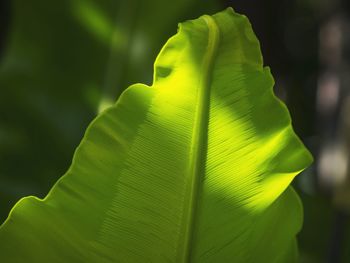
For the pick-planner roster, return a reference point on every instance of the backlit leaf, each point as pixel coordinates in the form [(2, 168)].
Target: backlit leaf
[(195, 168)]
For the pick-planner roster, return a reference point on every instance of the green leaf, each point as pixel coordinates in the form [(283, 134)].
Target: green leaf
[(195, 168)]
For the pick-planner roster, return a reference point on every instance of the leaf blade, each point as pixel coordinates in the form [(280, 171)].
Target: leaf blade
[(139, 166)]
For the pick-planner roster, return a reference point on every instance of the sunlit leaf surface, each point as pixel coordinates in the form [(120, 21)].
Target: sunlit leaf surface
[(195, 168)]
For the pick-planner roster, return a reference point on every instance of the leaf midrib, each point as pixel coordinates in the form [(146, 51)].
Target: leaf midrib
[(199, 141)]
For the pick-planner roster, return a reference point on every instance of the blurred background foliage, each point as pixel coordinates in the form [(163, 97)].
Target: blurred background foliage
[(64, 61)]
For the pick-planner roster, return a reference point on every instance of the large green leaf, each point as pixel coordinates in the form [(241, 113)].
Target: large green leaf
[(194, 168)]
